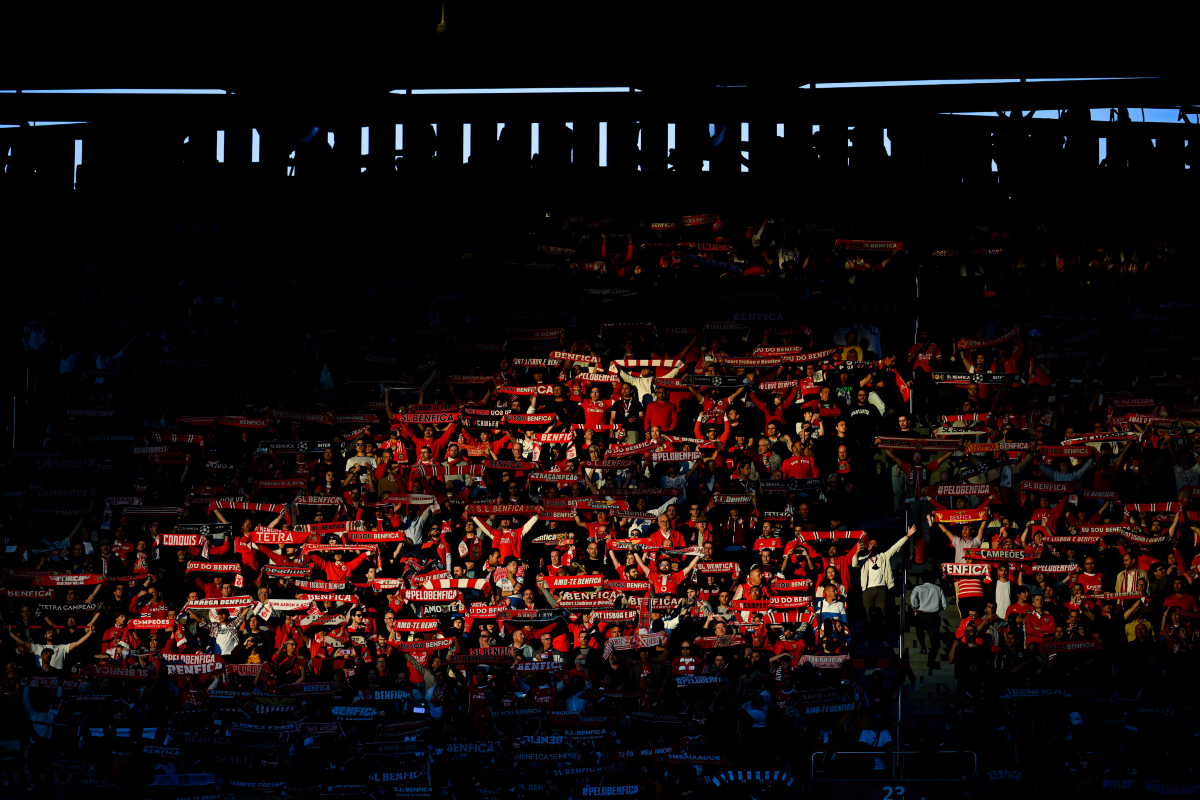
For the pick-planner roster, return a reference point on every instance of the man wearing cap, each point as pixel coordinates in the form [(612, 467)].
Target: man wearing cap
[(701, 530)]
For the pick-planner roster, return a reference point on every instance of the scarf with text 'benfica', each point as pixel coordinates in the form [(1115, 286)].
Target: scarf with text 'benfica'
[(967, 378), (729, 500), (524, 391), (218, 568), (232, 603), (579, 358), (192, 663), (331, 527), (1047, 487), (968, 571), (631, 449), (428, 418), (959, 516), (536, 334)]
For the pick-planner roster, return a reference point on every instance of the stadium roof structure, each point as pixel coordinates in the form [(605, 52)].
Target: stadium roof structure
[(815, 86), (555, 44)]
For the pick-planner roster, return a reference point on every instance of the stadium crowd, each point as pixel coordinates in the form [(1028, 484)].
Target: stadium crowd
[(632, 556)]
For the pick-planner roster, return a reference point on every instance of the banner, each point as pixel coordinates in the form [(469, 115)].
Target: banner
[(434, 418), (262, 535), (500, 509), (979, 344), (710, 642), (918, 445)]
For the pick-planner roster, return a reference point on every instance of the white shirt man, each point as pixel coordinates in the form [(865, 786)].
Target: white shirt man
[(876, 739), (1006, 592)]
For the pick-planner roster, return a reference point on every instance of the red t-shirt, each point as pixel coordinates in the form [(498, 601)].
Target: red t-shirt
[(924, 360), (799, 467), (1019, 609), (795, 648), (508, 542), (1104, 480), (1184, 602), (1090, 583), (596, 412), (665, 583)]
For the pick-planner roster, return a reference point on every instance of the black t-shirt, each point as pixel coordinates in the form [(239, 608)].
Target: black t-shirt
[(627, 410), (591, 566), (863, 423), (568, 412)]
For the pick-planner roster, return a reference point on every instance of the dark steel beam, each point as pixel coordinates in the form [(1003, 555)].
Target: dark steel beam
[(846, 103)]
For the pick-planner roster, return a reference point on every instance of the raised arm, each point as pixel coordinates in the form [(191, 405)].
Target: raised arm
[(791, 398), (1136, 605), (685, 349), (890, 454), (1121, 455), (82, 639), (1175, 523)]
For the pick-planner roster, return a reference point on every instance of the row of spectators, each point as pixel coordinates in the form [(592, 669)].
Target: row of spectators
[(572, 557)]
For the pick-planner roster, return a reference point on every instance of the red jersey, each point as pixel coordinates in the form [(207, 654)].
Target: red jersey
[(1038, 628), (507, 541), (667, 583), (925, 354), (596, 412), (799, 467), (1090, 583), (794, 648)]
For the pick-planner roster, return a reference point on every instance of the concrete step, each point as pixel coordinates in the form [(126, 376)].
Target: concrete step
[(920, 660), (935, 670), (923, 683), (931, 709)]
